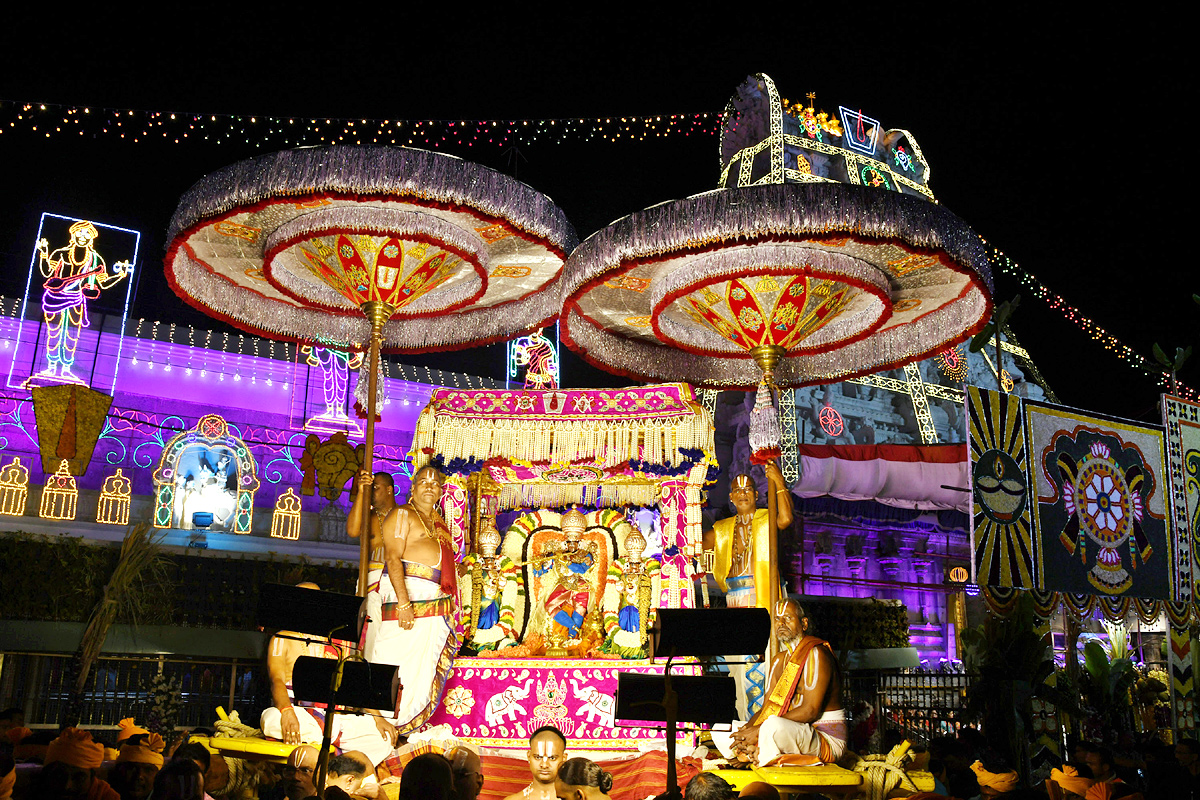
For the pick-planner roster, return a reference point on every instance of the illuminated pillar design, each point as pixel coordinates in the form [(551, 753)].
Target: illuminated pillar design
[(60, 496), (1180, 662), (14, 488), (1046, 751)]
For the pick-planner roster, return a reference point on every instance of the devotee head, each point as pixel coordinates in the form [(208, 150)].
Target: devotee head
[(582, 779), (70, 766), (1082, 748), (383, 489), (194, 751), (1187, 753), (12, 718), (708, 786), (426, 480), (1100, 761), (995, 777), (138, 762), (468, 772), (298, 773), (743, 494), (1069, 779), (346, 773), (547, 749), (760, 790), (790, 620), (180, 779), (427, 777)]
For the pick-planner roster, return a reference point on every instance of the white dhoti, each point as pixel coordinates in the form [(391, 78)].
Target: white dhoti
[(825, 738), (423, 655), (350, 731)]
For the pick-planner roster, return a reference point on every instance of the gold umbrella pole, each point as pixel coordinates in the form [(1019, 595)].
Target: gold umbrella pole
[(768, 356), (378, 313)]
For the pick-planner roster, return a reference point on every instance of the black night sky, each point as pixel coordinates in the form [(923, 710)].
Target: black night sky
[(1056, 137)]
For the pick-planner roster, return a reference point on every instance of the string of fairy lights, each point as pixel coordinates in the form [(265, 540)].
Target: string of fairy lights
[(1094, 331), (52, 120)]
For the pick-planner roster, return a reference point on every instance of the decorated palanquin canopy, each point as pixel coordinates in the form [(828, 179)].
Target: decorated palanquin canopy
[(600, 447), (293, 245), (838, 280)]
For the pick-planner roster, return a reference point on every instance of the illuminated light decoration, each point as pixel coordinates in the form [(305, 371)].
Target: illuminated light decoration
[(334, 366), (902, 159), (285, 519), (14, 488), (64, 281), (831, 421), (804, 147), (273, 133), (953, 363), (1095, 332), (194, 478), (1006, 380), (959, 574), (874, 177), (862, 132), (69, 421), (113, 508), (60, 495), (538, 356)]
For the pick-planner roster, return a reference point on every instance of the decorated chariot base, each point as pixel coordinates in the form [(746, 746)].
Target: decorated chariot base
[(499, 702)]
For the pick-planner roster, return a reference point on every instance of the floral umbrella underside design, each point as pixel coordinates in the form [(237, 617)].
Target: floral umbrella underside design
[(292, 244), (849, 281)]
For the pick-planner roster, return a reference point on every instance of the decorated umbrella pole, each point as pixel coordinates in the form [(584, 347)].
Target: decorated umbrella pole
[(394, 249)]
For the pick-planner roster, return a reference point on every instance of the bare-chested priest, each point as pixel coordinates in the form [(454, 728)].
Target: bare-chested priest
[(293, 722), (741, 543), (802, 713), (547, 751), (369, 510), (412, 603)]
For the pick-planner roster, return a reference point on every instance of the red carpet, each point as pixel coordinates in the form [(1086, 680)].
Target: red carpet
[(635, 779)]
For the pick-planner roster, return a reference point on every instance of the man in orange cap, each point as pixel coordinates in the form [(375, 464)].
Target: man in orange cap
[(137, 765), (70, 771), (995, 784), (1074, 786)]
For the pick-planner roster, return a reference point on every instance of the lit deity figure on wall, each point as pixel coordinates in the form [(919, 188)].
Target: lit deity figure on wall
[(335, 366), (536, 353), (75, 274)]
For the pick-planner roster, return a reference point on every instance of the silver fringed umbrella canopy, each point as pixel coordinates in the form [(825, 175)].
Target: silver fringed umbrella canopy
[(391, 249), (815, 282)]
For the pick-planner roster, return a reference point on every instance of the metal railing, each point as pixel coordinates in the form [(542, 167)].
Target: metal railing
[(924, 705), (119, 688)]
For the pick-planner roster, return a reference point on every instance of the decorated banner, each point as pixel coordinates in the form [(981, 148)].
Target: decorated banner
[(1182, 421), (498, 702), (69, 421), (1005, 548), (1101, 521), (1180, 657)]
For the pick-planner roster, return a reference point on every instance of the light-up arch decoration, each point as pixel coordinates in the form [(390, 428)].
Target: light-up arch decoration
[(206, 470)]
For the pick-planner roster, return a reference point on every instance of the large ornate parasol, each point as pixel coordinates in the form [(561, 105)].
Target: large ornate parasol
[(776, 284), (811, 282), (391, 249)]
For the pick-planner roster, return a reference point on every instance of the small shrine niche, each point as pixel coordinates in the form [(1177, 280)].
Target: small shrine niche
[(14, 488), (285, 520), (113, 508), (60, 495), (206, 480)]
